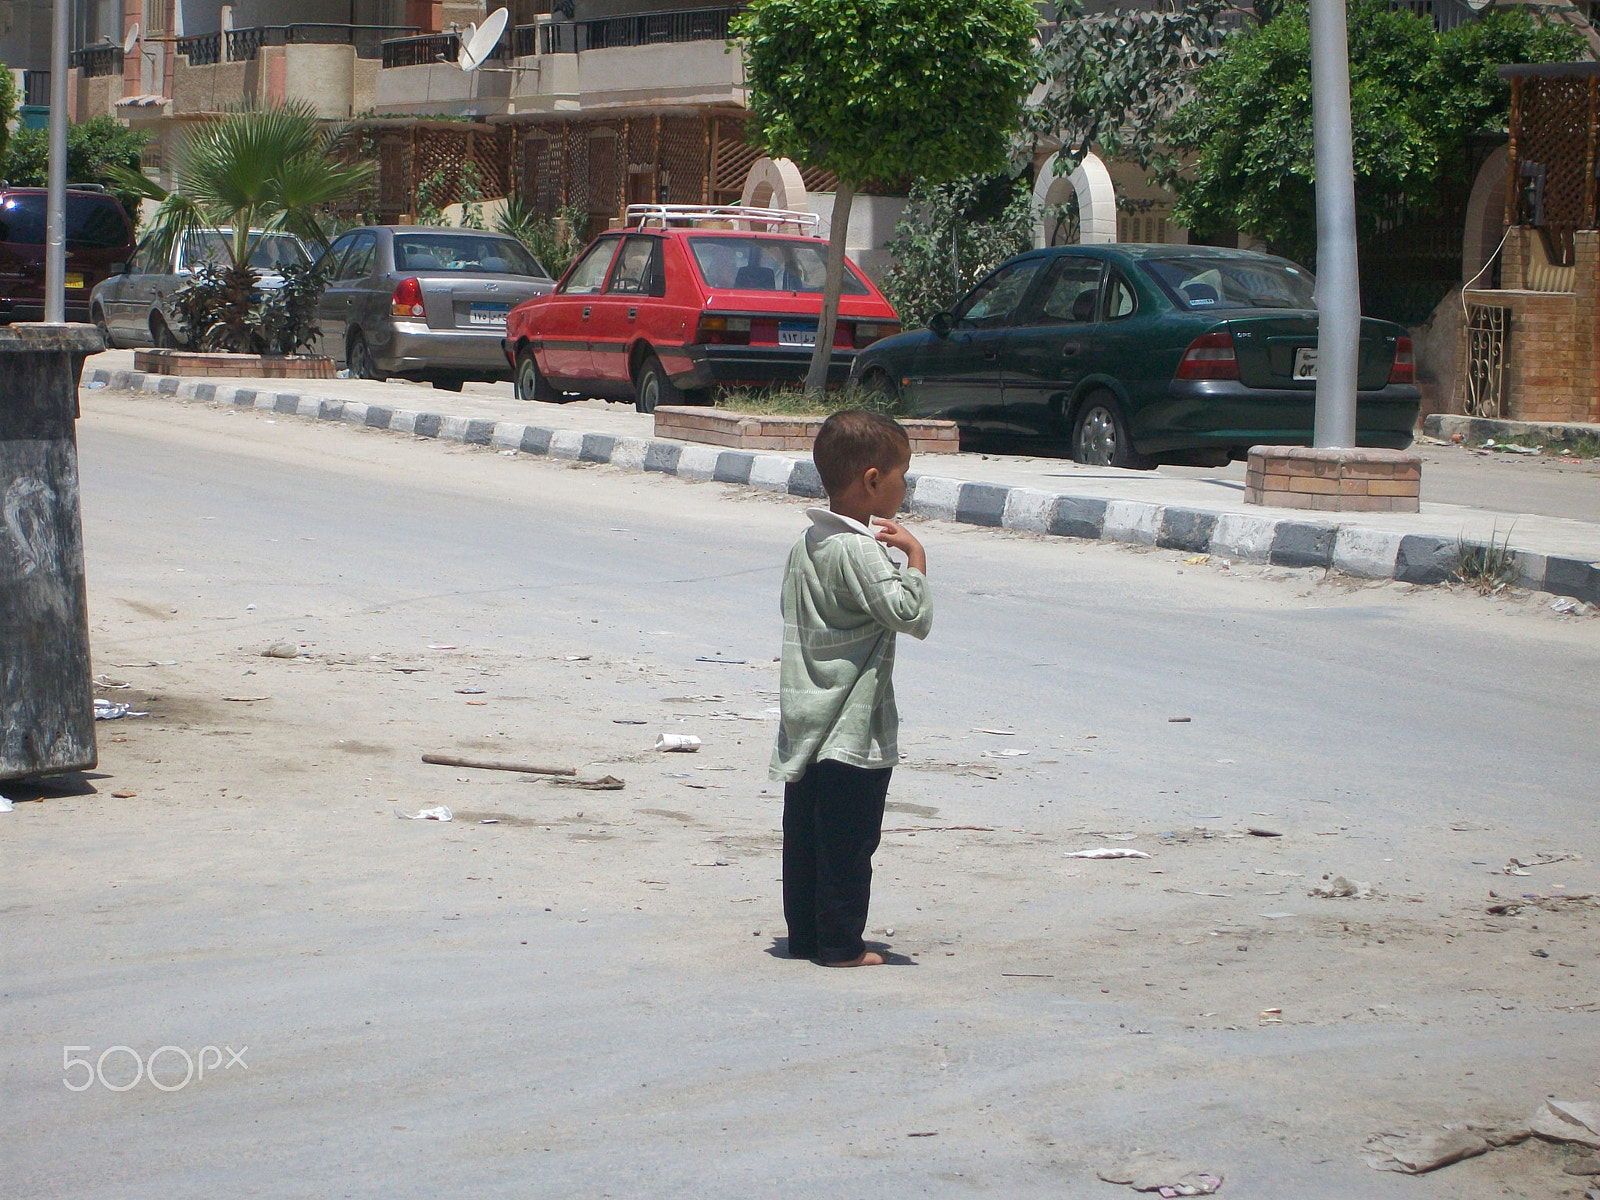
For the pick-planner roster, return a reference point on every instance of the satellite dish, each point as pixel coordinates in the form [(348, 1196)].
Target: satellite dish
[(476, 49), (1478, 5), (132, 40)]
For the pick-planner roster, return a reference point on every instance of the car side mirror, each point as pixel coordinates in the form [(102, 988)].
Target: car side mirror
[(941, 323), (119, 268)]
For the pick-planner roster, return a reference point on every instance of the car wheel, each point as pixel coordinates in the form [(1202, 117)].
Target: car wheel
[(531, 383), (99, 317), (161, 336), (877, 384), (651, 387), (1100, 438), (358, 357)]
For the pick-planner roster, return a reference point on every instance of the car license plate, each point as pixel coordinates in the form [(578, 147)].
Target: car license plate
[(74, 279), (1305, 363), (487, 314), (797, 335)]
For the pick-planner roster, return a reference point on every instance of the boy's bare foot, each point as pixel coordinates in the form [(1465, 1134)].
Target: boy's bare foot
[(867, 959)]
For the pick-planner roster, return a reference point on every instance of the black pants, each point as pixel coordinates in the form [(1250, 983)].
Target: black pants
[(832, 820)]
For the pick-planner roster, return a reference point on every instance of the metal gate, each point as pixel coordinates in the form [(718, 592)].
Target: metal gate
[(1487, 326)]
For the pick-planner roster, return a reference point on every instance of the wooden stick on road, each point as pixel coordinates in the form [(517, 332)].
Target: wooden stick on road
[(495, 764)]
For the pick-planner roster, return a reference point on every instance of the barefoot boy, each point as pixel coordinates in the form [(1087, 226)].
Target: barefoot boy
[(844, 599)]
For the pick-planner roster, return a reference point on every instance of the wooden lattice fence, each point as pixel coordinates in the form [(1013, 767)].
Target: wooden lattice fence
[(1555, 128)]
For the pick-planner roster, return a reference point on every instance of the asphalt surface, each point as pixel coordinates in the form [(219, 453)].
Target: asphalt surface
[(603, 1008)]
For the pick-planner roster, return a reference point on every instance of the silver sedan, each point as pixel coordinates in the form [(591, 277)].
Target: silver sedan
[(424, 302), (135, 307)]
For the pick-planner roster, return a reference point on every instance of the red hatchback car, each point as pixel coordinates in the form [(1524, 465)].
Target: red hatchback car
[(686, 298)]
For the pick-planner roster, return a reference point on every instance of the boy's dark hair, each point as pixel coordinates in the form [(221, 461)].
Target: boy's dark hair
[(852, 440)]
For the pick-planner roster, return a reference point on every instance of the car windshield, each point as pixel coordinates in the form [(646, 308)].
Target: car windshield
[(1203, 283), (468, 255), (92, 221), (272, 252), (767, 265)]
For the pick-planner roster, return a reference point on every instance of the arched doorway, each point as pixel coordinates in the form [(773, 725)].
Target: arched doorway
[(1485, 223), (774, 183), (1097, 200)]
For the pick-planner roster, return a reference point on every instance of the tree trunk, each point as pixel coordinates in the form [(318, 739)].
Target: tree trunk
[(817, 377)]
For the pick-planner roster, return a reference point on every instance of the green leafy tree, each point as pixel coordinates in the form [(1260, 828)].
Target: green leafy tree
[(94, 148), (883, 90), (554, 242), (1415, 97), (252, 172), (1111, 79), (950, 236), (8, 107)]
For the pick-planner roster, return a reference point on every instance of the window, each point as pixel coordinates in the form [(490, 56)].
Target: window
[(589, 275), (145, 260), (272, 251), (334, 252), (466, 254), (1200, 283), (1072, 294), (357, 264), (1121, 300), (768, 264), (991, 303), (94, 222), (639, 270)]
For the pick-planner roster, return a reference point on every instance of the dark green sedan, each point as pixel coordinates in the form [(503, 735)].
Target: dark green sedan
[(1132, 355)]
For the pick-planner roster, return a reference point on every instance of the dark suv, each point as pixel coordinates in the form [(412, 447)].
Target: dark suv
[(99, 237)]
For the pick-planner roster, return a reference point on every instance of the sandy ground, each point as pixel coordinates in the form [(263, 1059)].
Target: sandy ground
[(584, 993)]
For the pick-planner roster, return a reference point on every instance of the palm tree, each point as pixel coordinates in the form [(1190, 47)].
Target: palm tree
[(256, 171)]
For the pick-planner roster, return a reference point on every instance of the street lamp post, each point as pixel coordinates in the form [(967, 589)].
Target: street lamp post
[(1338, 275), (55, 250)]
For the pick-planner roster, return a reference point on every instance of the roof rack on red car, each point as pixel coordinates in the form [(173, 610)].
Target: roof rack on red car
[(726, 216)]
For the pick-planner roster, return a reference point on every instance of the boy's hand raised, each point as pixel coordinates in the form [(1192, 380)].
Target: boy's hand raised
[(897, 536)]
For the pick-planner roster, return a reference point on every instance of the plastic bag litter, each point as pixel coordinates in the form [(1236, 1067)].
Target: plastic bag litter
[(441, 813), (679, 743), (281, 650), (1108, 852), (1572, 1122), (1148, 1172), (6, 805), (104, 710)]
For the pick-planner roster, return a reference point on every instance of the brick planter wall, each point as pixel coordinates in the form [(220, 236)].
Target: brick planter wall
[(237, 366), (747, 431), (1334, 480)]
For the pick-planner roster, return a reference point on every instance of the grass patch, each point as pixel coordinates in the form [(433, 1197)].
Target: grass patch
[(1579, 448), (1487, 569), (794, 402)]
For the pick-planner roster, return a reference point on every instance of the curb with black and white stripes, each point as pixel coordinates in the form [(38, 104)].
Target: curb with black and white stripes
[(1355, 550)]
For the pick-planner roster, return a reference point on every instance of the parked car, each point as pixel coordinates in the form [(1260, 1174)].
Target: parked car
[(1130, 354), (99, 240), (425, 302), (669, 307), (134, 307)]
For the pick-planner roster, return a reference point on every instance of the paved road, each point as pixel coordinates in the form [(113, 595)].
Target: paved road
[(584, 998)]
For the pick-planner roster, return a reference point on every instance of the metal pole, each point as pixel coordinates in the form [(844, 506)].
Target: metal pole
[(55, 249), (1338, 276)]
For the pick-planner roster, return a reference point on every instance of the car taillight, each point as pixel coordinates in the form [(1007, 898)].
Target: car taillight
[(724, 331), (407, 299), (1405, 362), (1209, 356), (868, 332)]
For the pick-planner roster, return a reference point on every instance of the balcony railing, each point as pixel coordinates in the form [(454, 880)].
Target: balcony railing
[(1445, 14), (94, 61), (433, 48), (643, 29), (242, 45)]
